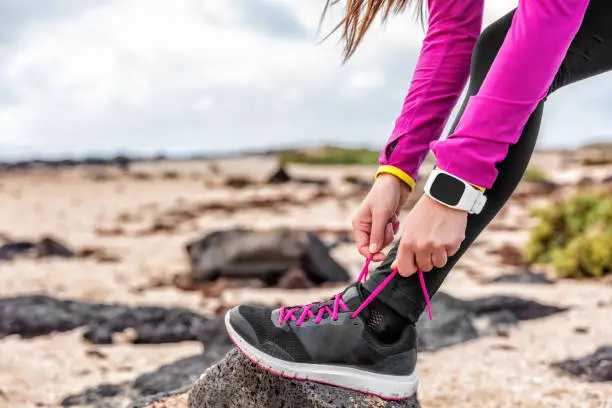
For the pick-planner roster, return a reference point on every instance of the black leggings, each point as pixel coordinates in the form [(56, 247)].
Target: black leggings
[(589, 54)]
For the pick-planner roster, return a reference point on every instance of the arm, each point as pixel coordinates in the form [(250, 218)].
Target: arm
[(441, 73), (532, 52)]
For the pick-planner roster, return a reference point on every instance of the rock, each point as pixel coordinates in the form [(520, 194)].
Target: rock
[(168, 380), (509, 254), (238, 383), (294, 279), (521, 309), (457, 321), (280, 176), (238, 182), (51, 247), (596, 154), (36, 315), (98, 254), (123, 163), (343, 238), (526, 276), (46, 247), (596, 367), (12, 249), (357, 181), (316, 182), (96, 397), (581, 330), (452, 324), (171, 399), (535, 188), (265, 255)]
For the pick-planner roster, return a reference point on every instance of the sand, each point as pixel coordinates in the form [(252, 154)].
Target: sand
[(115, 211)]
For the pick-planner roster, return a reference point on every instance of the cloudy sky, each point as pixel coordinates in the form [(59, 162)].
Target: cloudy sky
[(182, 76)]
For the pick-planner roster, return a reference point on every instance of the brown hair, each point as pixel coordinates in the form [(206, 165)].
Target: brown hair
[(361, 13)]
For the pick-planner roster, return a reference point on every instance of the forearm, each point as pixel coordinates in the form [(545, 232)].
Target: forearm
[(532, 52), (440, 75)]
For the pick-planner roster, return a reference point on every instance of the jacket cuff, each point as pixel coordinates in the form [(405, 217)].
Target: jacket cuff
[(402, 175)]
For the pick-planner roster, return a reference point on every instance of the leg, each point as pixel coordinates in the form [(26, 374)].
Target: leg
[(589, 55)]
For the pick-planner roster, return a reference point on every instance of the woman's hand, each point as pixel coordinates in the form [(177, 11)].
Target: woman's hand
[(432, 233), (373, 224)]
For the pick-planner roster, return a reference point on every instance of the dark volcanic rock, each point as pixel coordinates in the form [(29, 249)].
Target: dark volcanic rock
[(279, 176), (521, 309), (525, 276), (36, 315), (452, 323), (97, 397), (237, 382), (266, 255), (51, 247), (167, 380), (13, 249), (457, 321), (46, 247), (596, 367)]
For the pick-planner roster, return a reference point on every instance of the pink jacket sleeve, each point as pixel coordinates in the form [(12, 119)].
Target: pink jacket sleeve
[(518, 80), (441, 73)]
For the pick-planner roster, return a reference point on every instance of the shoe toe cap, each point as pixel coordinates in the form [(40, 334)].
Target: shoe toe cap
[(241, 325)]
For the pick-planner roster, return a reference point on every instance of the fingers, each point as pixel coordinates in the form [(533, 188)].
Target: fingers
[(412, 258), (395, 223), (423, 258), (405, 261), (361, 231), (453, 249), (380, 256), (439, 258), (380, 220)]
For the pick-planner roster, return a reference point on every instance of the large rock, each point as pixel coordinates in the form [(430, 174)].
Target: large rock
[(36, 315), (44, 248), (596, 367), (266, 255), (457, 321), (170, 379), (236, 382), (524, 276), (453, 323)]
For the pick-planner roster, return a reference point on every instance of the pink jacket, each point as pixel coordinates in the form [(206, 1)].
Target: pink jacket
[(518, 80)]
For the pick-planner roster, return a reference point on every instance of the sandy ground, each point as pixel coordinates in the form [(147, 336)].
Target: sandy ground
[(117, 212)]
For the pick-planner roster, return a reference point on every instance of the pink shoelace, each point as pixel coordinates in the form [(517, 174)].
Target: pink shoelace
[(287, 314)]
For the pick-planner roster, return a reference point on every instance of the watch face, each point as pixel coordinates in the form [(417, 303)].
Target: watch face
[(447, 189)]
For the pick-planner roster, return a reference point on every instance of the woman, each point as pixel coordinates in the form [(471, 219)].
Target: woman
[(364, 338)]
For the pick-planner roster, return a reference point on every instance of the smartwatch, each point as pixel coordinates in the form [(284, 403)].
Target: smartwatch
[(454, 192)]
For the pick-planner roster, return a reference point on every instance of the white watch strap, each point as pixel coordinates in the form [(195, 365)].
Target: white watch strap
[(473, 200)]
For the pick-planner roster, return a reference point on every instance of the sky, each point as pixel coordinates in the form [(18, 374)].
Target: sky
[(208, 76)]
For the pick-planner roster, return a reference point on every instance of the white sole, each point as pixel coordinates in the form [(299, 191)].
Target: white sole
[(384, 386)]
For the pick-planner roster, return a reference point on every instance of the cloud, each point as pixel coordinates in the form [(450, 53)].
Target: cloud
[(198, 75)]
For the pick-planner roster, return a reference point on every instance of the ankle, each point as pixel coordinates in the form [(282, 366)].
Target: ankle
[(386, 324)]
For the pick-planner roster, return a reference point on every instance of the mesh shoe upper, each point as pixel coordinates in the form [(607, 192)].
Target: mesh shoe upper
[(345, 340)]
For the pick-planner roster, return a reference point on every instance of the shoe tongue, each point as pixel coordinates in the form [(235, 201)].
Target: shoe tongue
[(352, 296)]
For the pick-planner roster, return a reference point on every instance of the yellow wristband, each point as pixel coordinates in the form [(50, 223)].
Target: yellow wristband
[(397, 173)]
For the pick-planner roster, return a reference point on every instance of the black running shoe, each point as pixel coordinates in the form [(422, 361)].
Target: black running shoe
[(338, 342)]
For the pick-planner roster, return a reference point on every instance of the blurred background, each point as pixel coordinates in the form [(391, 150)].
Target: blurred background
[(153, 154)]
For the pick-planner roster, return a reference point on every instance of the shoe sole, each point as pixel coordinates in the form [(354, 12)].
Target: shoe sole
[(388, 387)]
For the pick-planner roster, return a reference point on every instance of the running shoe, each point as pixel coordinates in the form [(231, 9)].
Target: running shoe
[(352, 341)]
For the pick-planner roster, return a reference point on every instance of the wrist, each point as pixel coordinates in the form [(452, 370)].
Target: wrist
[(388, 179), (454, 192)]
